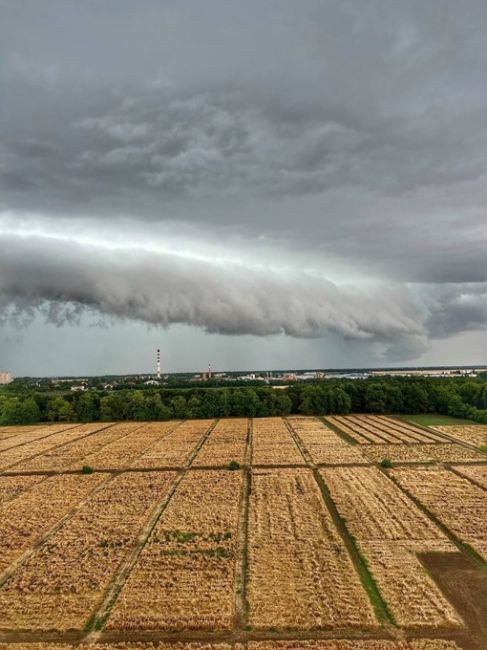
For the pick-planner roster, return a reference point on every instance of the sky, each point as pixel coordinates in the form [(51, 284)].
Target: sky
[(259, 184)]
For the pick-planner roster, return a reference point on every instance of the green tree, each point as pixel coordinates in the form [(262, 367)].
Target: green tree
[(60, 410), (86, 408)]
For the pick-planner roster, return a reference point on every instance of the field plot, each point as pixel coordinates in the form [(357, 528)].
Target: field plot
[(324, 445), (123, 452), (456, 501), (21, 435), (443, 453), (390, 530), (185, 576), (12, 486), (59, 586), (379, 429), (300, 573), (344, 644), (227, 442), (475, 434), (68, 456), (175, 449), (273, 444), (11, 457), (32, 514), (477, 473)]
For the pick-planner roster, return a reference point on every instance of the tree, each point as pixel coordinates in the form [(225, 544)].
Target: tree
[(179, 407), (60, 410), (86, 408)]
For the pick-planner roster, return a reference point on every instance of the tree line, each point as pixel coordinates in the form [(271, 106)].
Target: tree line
[(458, 397)]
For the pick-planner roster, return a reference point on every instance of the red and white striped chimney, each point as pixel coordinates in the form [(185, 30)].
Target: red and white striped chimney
[(158, 364)]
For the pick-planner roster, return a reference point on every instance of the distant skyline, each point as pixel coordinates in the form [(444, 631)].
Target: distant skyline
[(254, 184)]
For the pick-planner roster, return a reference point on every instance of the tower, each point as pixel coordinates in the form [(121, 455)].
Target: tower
[(158, 364), (209, 371)]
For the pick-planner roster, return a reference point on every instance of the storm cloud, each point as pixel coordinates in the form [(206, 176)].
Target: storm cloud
[(247, 168)]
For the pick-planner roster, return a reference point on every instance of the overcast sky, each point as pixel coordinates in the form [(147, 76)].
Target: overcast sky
[(258, 184)]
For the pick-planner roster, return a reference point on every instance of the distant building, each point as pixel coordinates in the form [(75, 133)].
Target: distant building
[(151, 382), (78, 389), (6, 378)]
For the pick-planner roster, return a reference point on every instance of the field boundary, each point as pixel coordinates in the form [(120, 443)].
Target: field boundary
[(241, 573)]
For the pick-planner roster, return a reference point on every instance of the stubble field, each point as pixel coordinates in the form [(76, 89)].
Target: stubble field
[(338, 533)]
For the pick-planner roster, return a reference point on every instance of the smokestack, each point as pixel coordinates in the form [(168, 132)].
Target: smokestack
[(158, 364), (209, 371)]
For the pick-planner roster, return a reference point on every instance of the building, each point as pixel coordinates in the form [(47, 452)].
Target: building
[(6, 378)]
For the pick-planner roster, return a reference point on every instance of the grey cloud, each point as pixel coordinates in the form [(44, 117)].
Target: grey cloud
[(63, 279)]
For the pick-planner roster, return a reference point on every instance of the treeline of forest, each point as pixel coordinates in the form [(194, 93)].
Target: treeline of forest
[(458, 397)]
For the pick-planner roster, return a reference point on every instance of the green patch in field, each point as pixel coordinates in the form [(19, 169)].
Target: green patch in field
[(435, 419)]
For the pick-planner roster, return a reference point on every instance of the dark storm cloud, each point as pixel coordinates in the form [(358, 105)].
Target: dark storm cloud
[(319, 134), (63, 280)]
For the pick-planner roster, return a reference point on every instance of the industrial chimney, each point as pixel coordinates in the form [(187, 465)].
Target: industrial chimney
[(158, 364)]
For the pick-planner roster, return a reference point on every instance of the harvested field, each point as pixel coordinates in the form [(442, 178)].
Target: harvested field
[(14, 455), (477, 473), (379, 429), (475, 434), (59, 586), (455, 501), (442, 453), (185, 576), (123, 452), (69, 456), (300, 573), (343, 644), (167, 646), (14, 439), (26, 519), (12, 486), (273, 444), (390, 530), (324, 445), (313, 546), (227, 442), (174, 450)]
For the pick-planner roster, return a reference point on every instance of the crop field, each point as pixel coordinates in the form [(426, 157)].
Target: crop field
[(379, 429), (273, 444), (245, 534), (473, 434), (442, 452), (324, 445), (456, 501)]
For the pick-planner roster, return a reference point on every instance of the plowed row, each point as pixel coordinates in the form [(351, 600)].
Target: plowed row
[(443, 453), (324, 445), (379, 429), (472, 434)]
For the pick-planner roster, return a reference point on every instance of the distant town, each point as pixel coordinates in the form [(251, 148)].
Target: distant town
[(276, 378)]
